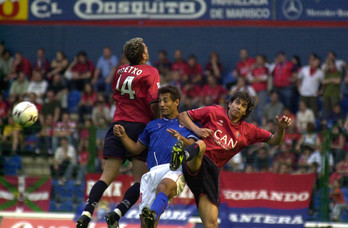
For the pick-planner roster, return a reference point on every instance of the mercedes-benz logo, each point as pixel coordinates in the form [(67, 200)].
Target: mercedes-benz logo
[(292, 9)]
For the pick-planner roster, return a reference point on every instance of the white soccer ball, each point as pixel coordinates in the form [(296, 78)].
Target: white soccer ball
[(25, 113)]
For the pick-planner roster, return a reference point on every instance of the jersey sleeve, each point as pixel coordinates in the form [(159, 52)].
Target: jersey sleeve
[(153, 82), (257, 134), (144, 137), (197, 115)]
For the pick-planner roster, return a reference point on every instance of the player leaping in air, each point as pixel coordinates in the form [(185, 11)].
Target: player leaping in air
[(135, 93), (160, 184), (225, 134)]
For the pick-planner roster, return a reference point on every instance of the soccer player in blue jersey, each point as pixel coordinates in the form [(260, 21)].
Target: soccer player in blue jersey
[(160, 135)]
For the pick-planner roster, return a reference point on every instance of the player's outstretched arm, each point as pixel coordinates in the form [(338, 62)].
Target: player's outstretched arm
[(283, 123), (178, 136), (134, 148), (186, 121)]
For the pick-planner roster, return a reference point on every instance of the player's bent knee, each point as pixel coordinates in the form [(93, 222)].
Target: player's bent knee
[(168, 187)]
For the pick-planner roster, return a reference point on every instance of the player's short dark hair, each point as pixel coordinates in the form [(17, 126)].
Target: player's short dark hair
[(172, 90), (245, 96), (134, 50)]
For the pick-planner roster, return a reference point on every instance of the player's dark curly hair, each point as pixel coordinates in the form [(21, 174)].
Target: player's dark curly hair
[(134, 50), (172, 90), (245, 96)]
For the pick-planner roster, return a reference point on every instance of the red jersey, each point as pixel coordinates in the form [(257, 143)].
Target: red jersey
[(214, 93), (282, 74), (244, 67), (135, 87), (227, 139), (182, 67)]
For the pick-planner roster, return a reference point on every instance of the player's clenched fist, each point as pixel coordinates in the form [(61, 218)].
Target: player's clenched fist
[(119, 130)]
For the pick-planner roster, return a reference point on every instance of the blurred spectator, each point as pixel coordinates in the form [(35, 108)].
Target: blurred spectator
[(20, 64), (338, 203), (245, 65), (263, 161), (272, 109), (296, 64), (50, 107), (64, 161), (31, 97), (194, 70), (175, 78), (6, 62), (284, 80), (284, 157), (341, 172), (335, 117), (337, 143), (331, 87), (82, 161), (305, 155), (105, 64), (316, 158), (19, 87), (102, 128), (212, 92), (64, 128), (179, 63), (45, 136), (87, 102), (58, 65), (340, 64), (292, 136), (309, 80), (41, 64), (38, 85), (214, 67), (191, 91), (162, 64), (4, 107), (101, 110), (11, 136), (235, 164), (258, 79), (310, 138), (249, 169), (58, 86), (304, 116), (80, 71), (284, 168)]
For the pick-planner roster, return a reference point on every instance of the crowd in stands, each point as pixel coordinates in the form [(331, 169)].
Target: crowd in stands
[(74, 99)]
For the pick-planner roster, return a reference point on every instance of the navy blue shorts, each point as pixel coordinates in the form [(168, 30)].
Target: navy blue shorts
[(113, 146), (205, 181)]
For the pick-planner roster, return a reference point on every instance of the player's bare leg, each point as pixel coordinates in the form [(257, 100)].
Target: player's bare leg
[(130, 197), (208, 212), (110, 172), (195, 163)]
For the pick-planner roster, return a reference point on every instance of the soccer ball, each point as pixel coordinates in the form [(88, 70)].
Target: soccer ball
[(25, 113)]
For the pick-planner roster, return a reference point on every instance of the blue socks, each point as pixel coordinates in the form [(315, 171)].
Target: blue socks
[(160, 204)]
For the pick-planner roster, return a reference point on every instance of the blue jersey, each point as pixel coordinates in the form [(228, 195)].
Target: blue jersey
[(160, 142)]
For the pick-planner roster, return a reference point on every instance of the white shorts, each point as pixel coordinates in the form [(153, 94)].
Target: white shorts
[(150, 180)]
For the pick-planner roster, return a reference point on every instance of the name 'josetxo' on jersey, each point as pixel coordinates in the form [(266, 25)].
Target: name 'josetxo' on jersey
[(135, 87), (161, 142)]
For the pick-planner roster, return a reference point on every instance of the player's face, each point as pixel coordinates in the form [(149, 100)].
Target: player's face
[(237, 109), (146, 53), (169, 108)]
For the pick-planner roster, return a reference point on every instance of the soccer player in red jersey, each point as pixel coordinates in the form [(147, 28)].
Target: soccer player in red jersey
[(135, 93), (225, 134)]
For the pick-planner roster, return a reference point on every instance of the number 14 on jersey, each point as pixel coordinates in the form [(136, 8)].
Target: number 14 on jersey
[(126, 87)]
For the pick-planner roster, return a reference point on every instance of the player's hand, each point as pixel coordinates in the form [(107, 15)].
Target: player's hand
[(174, 133), (119, 130), (283, 122), (204, 132)]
